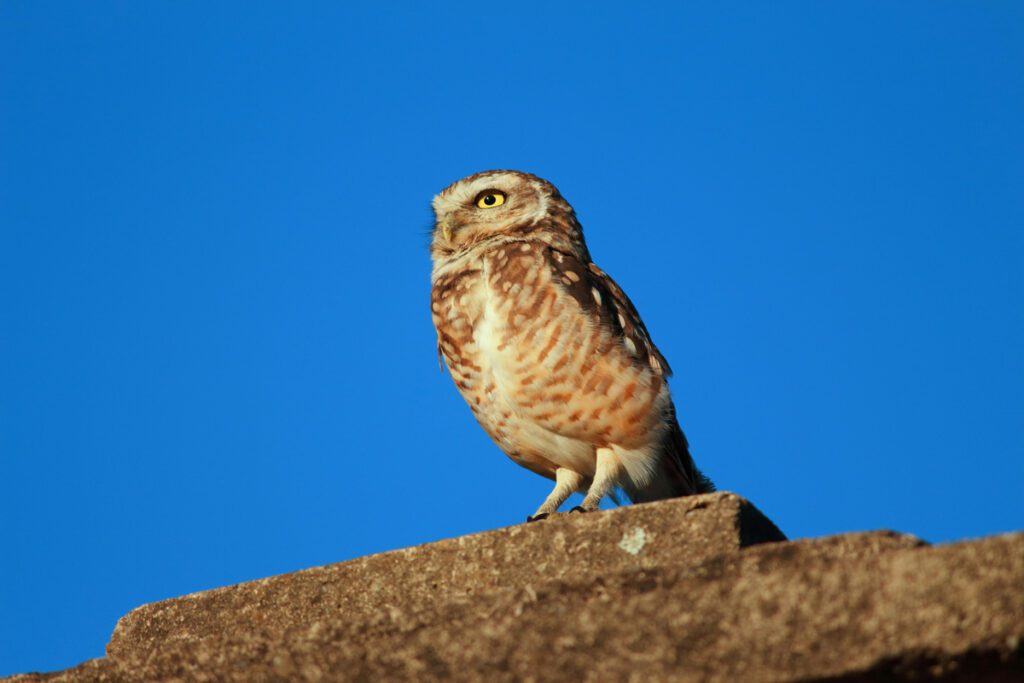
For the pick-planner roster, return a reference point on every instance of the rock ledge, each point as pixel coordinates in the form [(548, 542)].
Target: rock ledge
[(704, 588)]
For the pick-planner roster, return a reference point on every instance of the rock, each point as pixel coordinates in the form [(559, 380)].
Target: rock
[(693, 589), (424, 577)]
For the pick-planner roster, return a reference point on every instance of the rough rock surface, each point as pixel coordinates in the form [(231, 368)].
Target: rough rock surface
[(695, 589)]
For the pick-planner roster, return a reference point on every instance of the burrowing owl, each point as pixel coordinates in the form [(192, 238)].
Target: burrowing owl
[(547, 350)]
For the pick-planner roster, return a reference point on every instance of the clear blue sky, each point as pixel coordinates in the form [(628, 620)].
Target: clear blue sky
[(216, 355)]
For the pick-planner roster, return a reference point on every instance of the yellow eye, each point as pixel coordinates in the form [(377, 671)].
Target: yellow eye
[(490, 199)]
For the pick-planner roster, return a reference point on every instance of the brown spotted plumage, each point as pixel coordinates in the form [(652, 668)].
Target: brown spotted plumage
[(549, 353)]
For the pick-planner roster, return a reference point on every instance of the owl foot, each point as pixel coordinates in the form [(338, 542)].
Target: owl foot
[(580, 508), (537, 518)]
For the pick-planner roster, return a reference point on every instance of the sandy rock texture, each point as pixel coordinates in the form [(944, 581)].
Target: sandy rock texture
[(704, 588)]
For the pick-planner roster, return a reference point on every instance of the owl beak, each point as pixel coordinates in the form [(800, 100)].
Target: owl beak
[(446, 228)]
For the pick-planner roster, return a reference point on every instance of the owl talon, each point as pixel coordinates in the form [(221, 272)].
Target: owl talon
[(579, 508), (537, 518)]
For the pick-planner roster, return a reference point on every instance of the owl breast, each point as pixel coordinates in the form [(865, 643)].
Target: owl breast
[(545, 378)]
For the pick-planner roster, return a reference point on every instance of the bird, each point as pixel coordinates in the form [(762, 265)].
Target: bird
[(547, 350)]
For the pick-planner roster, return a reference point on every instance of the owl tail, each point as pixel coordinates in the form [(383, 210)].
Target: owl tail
[(676, 474), (682, 471)]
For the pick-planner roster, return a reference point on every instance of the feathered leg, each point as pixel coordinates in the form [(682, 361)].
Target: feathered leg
[(609, 467), (567, 482)]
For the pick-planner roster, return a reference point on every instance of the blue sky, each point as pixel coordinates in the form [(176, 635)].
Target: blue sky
[(216, 355)]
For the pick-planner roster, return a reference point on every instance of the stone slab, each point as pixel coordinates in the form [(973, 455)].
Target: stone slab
[(680, 532), (858, 607)]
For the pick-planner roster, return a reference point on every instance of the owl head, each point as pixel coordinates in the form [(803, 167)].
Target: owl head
[(492, 204)]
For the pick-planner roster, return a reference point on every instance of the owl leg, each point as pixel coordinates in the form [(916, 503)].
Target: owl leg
[(567, 482), (609, 467)]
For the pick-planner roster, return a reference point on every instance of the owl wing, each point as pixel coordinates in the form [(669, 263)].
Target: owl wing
[(599, 296)]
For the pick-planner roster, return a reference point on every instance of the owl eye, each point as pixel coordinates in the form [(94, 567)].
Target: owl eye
[(489, 199)]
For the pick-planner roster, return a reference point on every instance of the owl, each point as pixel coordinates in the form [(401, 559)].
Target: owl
[(547, 350)]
